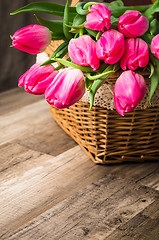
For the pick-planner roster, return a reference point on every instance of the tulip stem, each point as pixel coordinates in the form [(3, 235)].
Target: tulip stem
[(81, 32), (86, 6), (110, 69), (104, 74), (59, 67), (70, 64), (98, 35)]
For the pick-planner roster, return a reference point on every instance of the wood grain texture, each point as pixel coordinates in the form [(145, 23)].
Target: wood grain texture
[(34, 129), (39, 181), (14, 99), (93, 213), (49, 188)]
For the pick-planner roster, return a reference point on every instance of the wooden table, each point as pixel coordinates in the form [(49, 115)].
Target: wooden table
[(50, 189)]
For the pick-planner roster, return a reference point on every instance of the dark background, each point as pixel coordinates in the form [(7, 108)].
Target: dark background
[(13, 62)]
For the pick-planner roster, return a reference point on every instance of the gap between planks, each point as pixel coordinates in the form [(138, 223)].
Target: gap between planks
[(93, 213), (30, 187)]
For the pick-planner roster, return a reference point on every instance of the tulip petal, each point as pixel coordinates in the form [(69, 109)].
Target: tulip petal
[(66, 89), (129, 90), (32, 39)]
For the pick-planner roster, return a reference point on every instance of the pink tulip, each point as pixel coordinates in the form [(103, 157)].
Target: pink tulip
[(82, 51), (66, 89), (32, 39), (37, 79), (136, 54), (155, 46), (132, 24), (110, 47), (98, 17), (129, 90)]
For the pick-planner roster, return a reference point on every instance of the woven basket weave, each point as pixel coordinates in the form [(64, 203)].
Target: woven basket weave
[(106, 136)]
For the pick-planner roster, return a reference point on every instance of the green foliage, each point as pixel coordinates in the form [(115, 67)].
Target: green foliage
[(55, 26), (100, 79), (88, 84), (154, 27), (59, 52), (96, 85), (66, 29), (78, 21), (154, 79), (47, 7), (80, 10), (152, 10), (70, 64)]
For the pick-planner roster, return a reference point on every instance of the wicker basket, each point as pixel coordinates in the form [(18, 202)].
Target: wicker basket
[(108, 137)]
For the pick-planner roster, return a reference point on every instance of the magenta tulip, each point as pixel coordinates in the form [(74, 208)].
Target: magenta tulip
[(32, 39), (110, 47), (136, 54), (129, 90), (66, 89), (82, 51), (98, 17), (132, 24), (155, 46), (37, 79)]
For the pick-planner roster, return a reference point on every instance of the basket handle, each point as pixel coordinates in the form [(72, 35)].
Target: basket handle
[(75, 2)]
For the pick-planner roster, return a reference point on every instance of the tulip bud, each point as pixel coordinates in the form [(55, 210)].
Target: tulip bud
[(110, 47), (37, 79), (155, 46), (82, 51), (32, 39), (66, 89), (132, 24), (136, 54), (129, 90), (98, 17)]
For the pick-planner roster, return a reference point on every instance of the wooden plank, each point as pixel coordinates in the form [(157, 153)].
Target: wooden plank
[(49, 139), (22, 120), (93, 213), (15, 98), (144, 225), (151, 180), (13, 154), (36, 184), (145, 173), (33, 127)]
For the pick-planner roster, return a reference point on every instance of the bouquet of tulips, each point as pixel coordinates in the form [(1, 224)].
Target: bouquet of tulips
[(100, 38)]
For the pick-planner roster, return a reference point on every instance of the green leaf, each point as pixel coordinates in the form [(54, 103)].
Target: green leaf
[(59, 52), (80, 10), (153, 9), (92, 78), (101, 79), (66, 29), (55, 26), (114, 20), (46, 7), (115, 4), (154, 27), (70, 64), (91, 32), (152, 70), (154, 84), (96, 85), (118, 11), (78, 21), (88, 84), (154, 78)]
